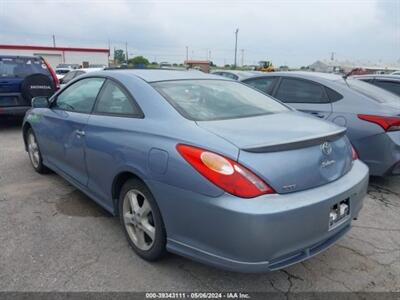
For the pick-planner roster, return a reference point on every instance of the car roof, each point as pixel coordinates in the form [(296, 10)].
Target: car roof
[(163, 74), (241, 74), (305, 75), (20, 56), (88, 70), (378, 76)]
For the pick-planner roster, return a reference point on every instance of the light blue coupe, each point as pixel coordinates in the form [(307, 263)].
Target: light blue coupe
[(201, 166)]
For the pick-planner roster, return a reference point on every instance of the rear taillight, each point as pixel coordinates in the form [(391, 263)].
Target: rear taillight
[(224, 172), (387, 123), (354, 154), (53, 74)]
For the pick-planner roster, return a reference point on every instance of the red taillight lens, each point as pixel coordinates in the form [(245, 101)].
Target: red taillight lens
[(53, 74), (354, 154), (224, 172), (387, 123)]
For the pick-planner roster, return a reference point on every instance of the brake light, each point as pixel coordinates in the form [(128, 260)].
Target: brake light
[(387, 123), (224, 172), (53, 74), (354, 154)]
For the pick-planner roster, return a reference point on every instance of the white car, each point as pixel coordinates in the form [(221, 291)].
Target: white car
[(61, 72), (396, 73), (75, 73)]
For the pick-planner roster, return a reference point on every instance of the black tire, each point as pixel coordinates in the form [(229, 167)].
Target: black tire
[(157, 250), (39, 166)]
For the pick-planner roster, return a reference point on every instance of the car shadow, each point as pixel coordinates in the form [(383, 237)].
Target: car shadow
[(10, 123)]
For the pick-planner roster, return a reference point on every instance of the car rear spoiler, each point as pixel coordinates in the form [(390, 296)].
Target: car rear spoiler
[(297, 143)]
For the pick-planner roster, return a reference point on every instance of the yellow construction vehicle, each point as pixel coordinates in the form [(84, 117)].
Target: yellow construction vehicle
[(265, 66)]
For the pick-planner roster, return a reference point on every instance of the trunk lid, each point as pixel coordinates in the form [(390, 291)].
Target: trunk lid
[(290, 151)]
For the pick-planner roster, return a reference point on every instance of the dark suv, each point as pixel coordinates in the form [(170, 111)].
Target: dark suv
[(21, 79)]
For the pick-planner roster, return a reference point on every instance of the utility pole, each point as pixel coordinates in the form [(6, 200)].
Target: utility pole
[(126, 49), (209, 55), (54, 41), (242, 50), (236, 37), (187, 53), (332, 56)]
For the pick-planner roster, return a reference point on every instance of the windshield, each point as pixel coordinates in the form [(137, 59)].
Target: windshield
[(374, 92), (205, 100), (22, 66)]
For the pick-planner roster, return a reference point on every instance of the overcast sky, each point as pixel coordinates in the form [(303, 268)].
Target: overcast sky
[(295, 33)]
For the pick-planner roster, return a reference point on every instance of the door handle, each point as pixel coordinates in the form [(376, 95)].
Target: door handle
[(80, 132), (317, 114)]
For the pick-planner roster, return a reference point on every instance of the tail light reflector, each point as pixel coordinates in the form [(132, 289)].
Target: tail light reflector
[(53, 74), (387, 123), (354, 154), (224, 172)]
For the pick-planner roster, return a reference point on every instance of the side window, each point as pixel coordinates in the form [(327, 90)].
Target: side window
[(232, 76), (114, 100), (390, 86), (68, 77), (367, 80), (263, 84), (229, 75), (80, 96), (301, 91), (78, 73)]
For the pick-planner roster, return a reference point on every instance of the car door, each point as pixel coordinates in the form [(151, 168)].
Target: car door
[(112, 138), (63, 125), (305, 95)]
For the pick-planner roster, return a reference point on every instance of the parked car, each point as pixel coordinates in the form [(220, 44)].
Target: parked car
[(200, 166), (236, 75), (390, 83), (371, 114), (21, 79), (395, 73), (75, 73), (60, 72)]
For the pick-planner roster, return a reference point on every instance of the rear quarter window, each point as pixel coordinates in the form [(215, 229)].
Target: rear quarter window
[(333, 95)]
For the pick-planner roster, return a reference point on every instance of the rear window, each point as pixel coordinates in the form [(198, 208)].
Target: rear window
[(378, 94), (20, 67), (205, 100)]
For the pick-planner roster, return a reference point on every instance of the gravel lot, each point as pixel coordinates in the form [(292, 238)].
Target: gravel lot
[(54, 238)]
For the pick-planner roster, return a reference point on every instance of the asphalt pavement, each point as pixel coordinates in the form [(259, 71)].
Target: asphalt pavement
[(54, 238)]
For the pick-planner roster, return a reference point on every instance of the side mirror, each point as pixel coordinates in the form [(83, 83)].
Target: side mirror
[(40, 102), (60, 81)]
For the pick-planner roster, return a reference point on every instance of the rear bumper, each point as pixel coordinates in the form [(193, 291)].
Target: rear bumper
[(381, 153), (14, 110), (261, 234)]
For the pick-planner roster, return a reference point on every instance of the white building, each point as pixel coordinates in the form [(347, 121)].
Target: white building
[(61, 55)]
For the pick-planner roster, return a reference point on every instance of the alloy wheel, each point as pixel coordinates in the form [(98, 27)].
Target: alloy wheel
[(33, 150), (138, 219)]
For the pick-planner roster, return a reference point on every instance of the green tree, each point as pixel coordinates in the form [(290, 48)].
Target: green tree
[(119, 56), (139, 60)]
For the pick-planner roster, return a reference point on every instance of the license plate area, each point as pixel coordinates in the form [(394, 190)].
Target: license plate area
[(339, 213)]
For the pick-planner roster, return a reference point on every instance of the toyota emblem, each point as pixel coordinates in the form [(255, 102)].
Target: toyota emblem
[(326, 148)]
